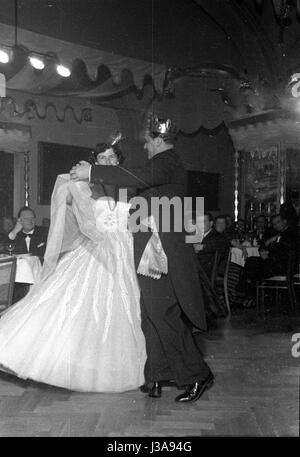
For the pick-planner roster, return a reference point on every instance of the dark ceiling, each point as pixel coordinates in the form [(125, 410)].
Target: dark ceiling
[(171, 32)]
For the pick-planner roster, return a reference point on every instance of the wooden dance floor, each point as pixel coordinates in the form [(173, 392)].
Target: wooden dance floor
[(256, 393)]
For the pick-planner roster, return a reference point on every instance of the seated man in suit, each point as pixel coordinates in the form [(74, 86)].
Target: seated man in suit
[(274, 255), (28, 238), (46, 223), (221, 228), (7, 224), (290, 209), (262, 233), (212, 241), (220, 224), (238, 233)]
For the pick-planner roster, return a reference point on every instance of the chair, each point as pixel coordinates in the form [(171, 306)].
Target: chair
[(277, 283), (213, 300), (7, 281), (223, 281), (214, 270)]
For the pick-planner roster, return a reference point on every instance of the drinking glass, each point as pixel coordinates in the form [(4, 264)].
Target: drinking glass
[(10, 248)]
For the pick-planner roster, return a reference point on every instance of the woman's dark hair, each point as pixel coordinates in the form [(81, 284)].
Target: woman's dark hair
[(102, 147)]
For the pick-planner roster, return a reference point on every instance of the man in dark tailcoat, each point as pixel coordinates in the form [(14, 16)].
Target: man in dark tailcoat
[(172, 304)]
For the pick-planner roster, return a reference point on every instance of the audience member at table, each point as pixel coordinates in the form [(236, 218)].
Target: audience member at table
[(238, 234), (7, 224), (220, 224), (262, 232), (212, 241), (230, 225), (27, 236), (241, 228), (274, 255), (290, 211), (221, 228), (46, 223)]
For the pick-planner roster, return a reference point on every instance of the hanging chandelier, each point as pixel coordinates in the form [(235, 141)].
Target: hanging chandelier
[(283, 10)]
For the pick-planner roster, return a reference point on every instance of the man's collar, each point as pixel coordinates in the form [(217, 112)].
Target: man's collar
[(206, 233), (28, 233), (162, 152)]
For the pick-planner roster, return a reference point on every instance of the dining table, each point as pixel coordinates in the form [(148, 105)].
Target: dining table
[(28, 268), (240, 254)]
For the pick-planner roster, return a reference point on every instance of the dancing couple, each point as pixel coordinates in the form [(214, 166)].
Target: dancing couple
[(114, 310)]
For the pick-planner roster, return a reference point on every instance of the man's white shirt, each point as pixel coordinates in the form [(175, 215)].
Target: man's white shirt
[(27, 238)]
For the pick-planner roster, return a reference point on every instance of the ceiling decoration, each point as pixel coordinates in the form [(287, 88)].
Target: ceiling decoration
[(94, 73), (283, 9), (33, 110)]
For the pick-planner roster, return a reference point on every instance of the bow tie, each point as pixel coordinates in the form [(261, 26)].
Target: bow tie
[(27, 234)]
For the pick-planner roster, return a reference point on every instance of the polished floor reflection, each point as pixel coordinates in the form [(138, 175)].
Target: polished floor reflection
[(256, 393)]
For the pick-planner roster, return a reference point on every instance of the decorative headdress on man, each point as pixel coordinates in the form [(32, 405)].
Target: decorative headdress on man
[(164, 128)]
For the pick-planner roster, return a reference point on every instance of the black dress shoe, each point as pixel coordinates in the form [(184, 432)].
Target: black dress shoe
[(155, 390), (196, 390)]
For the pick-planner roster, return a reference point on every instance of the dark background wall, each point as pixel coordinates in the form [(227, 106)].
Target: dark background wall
[(178, 33), (201, 149)]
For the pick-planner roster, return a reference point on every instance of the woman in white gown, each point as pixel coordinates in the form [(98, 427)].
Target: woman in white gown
[(79, 327)]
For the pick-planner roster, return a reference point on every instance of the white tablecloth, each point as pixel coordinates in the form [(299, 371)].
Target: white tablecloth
[(28, 268), (239, 255)]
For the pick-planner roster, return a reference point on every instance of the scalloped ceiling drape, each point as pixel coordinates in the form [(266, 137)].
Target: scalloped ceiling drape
[(96, 73)]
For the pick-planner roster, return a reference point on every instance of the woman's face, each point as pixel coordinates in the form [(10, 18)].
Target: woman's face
[(107, 157)]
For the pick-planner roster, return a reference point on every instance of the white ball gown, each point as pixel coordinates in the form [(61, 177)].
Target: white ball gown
[(80, 328)]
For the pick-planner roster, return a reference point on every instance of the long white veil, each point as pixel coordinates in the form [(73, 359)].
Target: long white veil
[(72, 221)]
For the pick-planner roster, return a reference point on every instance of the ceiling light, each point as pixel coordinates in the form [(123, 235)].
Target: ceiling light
[(4, 56), (37, 63), (63, 71)]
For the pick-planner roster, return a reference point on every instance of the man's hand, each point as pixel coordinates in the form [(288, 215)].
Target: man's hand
[(81, 171), (17, 228), (198, 247), (271, 240)]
